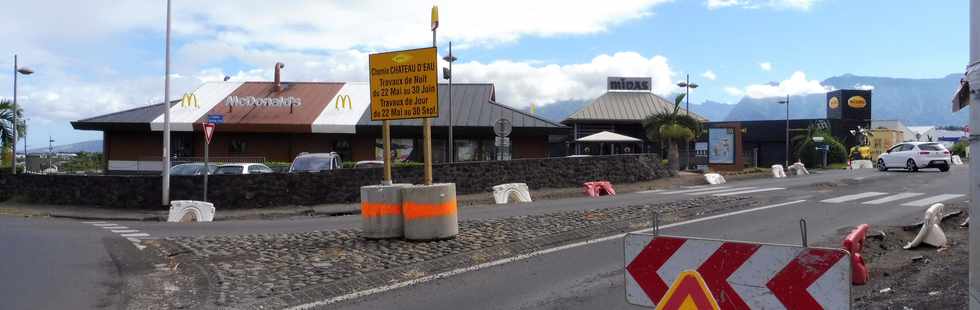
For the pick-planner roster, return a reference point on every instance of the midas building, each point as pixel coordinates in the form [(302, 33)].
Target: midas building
[(269, 121)]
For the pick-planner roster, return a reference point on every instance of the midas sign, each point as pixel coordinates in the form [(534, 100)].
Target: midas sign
[(188, 100), (404, 84), (343, 101)]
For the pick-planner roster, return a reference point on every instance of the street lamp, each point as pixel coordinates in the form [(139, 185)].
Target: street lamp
[(786, 102), (13, 147), (687, 85), (448, 74)]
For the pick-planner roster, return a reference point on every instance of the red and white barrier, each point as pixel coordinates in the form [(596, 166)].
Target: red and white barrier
[(854, 243), (598, 188)]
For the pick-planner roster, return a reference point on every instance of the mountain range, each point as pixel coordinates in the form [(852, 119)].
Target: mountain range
[(91, 146), (915, 102)]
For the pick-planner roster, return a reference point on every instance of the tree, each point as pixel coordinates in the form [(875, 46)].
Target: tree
[(7, 128), (669, 127), (806, 150)]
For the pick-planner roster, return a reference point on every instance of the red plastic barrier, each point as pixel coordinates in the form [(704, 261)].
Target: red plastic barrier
[(854, 243), (598, 188)]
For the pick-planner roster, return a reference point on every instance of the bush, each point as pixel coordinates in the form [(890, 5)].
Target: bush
[(811, 157), (960, 148)]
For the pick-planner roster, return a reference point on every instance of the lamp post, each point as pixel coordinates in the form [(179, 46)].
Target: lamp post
[(687, 85), (449, 76), (13, 146), (786, 102), (165, 164)]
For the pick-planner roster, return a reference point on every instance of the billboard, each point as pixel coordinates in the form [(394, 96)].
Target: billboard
[(721, 145), (404, 84)]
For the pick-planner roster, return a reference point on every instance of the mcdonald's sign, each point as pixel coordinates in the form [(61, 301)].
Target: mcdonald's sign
[(343, 101), (188, 100)]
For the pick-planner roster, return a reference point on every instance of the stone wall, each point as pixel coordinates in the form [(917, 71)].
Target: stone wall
[(338, 186)]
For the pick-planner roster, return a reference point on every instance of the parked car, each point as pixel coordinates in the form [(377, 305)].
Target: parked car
[(916, 155), (243, 168), (192, 169), (369, 164), (315, 162)]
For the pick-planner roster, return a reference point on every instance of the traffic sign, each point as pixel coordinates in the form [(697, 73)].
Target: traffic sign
[(404, 84), (688, 292), (740, 275), (216, 119), (503, 127), (208, 132)]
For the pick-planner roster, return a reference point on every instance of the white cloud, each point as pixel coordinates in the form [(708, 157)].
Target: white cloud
[(757, 4), (797, 84), (519, 84), (734, 91), (709, 75), (864, 87), (765, 66)]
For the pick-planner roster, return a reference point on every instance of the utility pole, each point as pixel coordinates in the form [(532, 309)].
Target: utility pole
[(165, 164), (687, 85), (50, 151), (451, 59), (786, 102), (973, 78)]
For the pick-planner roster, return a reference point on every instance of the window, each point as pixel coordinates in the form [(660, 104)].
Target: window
[(259, 169), (237, 147), (896, 148), (228, 170), (907, 147), (931, 147)]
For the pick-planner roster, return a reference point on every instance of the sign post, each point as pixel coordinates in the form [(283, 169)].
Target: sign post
[(208, 133)]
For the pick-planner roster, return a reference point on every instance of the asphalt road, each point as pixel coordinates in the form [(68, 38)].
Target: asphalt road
[(65, 264), (591, 276)]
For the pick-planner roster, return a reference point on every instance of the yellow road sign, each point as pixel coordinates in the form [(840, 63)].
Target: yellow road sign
[(689, 292), (404, 84)]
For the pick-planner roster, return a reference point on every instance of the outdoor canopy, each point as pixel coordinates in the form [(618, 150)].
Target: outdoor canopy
[(606, 136)]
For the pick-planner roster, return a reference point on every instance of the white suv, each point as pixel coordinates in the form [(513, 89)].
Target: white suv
[(915, 155)]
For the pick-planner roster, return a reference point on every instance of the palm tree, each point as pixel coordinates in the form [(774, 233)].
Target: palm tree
[(670, 127), (6, 127)]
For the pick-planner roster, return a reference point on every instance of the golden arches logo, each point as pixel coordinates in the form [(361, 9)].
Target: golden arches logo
[(834, 102), (343, 101), (189, 100), (857, 102)]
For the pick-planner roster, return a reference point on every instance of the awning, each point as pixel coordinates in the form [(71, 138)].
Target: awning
[(606, 136)]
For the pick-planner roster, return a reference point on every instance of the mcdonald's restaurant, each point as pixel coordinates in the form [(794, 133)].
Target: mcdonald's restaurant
[(275, 122)]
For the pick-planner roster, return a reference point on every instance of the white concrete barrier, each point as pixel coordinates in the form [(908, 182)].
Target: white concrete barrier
[(930, 233), (714, 178), (503, 192), (957, 160), (778, 172), (190, 211), (798, 169), (862, 164)]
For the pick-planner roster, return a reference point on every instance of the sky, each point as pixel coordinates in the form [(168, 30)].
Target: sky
[(101, 56)]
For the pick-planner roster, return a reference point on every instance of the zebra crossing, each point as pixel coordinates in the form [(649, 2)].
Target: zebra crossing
[(133, 235), (907, 199), (720, 191)]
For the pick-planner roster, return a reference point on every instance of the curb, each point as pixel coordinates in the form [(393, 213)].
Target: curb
[(139, 218)]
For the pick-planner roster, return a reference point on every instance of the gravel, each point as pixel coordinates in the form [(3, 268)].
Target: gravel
[(249, 268)]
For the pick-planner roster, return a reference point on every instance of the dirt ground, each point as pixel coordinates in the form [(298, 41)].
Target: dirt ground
[(920, 278)]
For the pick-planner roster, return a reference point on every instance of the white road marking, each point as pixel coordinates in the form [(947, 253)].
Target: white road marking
[(135, 235), (931, 200), (891, 198), (104, 224), (519, 258), (693, 190), (721, 191), (93, 222), (115, 227), (650, 191), (125, 231), (853, 197), (769, 189)]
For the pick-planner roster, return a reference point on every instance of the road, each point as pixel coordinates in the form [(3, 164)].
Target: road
[(61, 264), (591, 276)]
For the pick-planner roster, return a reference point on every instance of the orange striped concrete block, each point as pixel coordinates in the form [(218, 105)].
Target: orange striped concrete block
[(381, 211), (430, 212)]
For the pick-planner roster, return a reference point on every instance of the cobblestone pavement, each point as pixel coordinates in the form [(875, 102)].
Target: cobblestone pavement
[(247, 269)]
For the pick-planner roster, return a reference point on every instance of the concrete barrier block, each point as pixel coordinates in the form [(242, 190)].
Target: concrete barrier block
[(930, 233), (190, 211), (861, 164), (778, 172), (714, 178), (381, 211), (503, 192), (430, 212), (798, 169), (957, 160)]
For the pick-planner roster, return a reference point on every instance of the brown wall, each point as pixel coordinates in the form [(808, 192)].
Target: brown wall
[(529, 147), (133, 145)]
